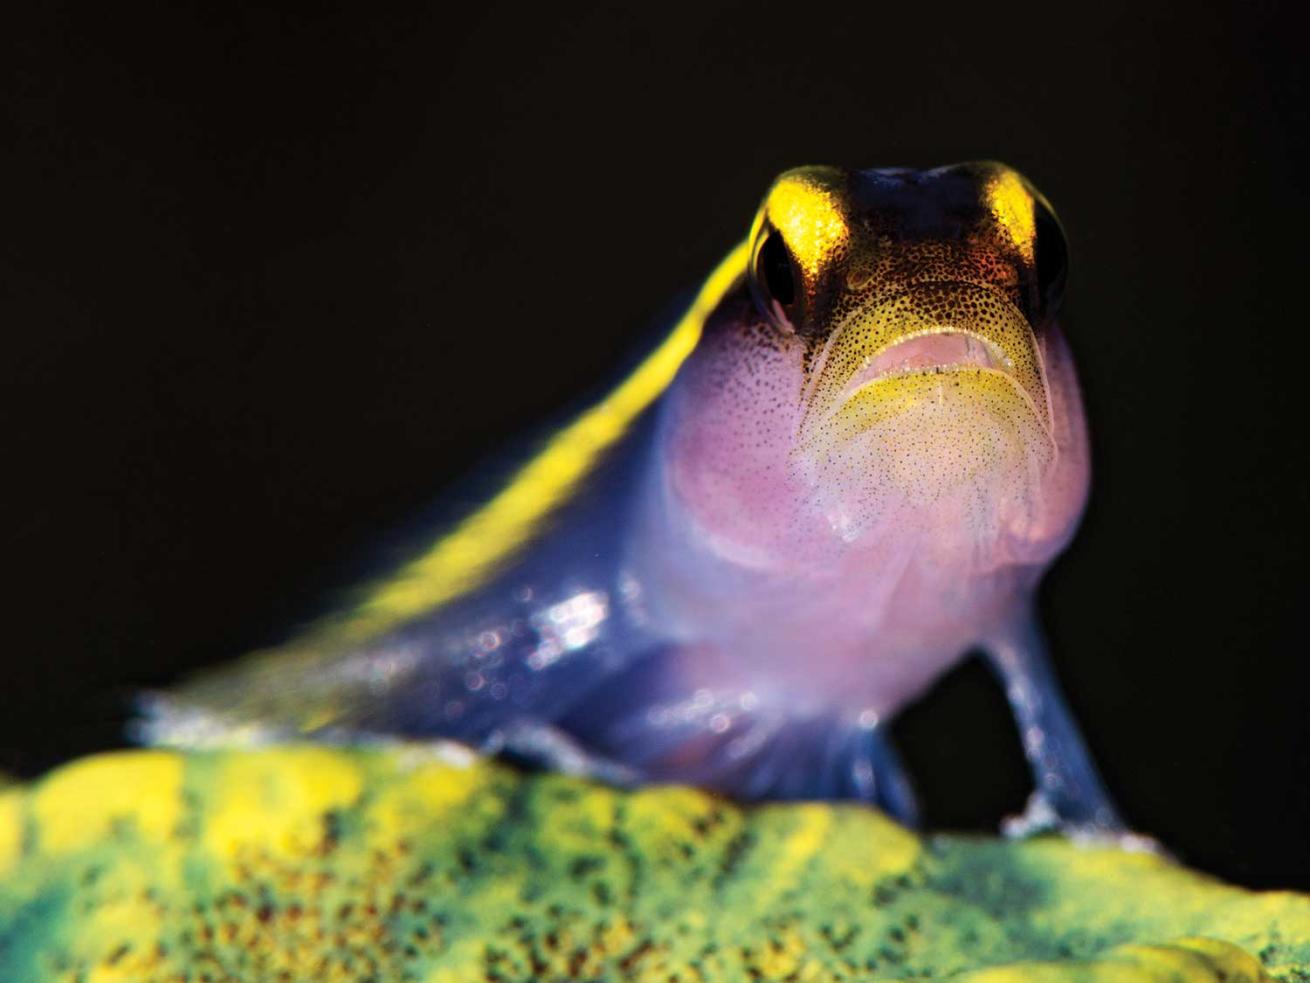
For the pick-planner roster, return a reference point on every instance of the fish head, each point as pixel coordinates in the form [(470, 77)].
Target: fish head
[(891, 363)]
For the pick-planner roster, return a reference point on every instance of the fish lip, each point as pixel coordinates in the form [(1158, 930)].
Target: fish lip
[(824, 397), (998, 363), (880, 365)]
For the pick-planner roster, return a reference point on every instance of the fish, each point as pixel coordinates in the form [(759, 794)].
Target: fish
[(845, 467)]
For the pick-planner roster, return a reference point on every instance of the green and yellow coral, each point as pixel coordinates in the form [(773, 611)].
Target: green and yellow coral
[(424, 864)]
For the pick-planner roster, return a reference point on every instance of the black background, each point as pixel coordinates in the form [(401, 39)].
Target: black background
[(270, 281)]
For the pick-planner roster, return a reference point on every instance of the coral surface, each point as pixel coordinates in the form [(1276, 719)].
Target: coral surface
[(403, 863)]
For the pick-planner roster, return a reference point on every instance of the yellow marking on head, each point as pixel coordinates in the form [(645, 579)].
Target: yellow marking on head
[(76, 806), (470, 553), (808, 214), (276, 799), (1011, 204)]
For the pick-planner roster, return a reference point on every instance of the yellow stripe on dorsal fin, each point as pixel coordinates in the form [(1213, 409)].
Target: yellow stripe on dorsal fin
[(470, 553)]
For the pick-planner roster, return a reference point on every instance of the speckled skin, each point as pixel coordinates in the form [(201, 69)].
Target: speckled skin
[(858, 475)]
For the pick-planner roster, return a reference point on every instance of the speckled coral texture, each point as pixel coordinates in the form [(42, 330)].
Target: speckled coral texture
[(403, 863)]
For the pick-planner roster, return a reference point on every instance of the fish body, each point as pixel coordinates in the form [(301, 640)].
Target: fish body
[(846, 467)]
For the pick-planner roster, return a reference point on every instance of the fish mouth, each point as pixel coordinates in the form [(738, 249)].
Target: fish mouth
[(943, 350), (958, 334)]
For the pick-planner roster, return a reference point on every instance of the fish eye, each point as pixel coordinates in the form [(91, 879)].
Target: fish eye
[(775, 270), (773, 279), (1052, 256)]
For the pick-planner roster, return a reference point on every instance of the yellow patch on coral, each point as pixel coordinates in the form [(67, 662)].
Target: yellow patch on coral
[(812, 825), (77, 805), (812, 828), (1234, 964), (120, 943), (11, 829), (587, 822), (1189, 960), (784, 958), (464, 964), (277, 799), (891, 851), (433, 790), (326, 863), (665, 819)]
